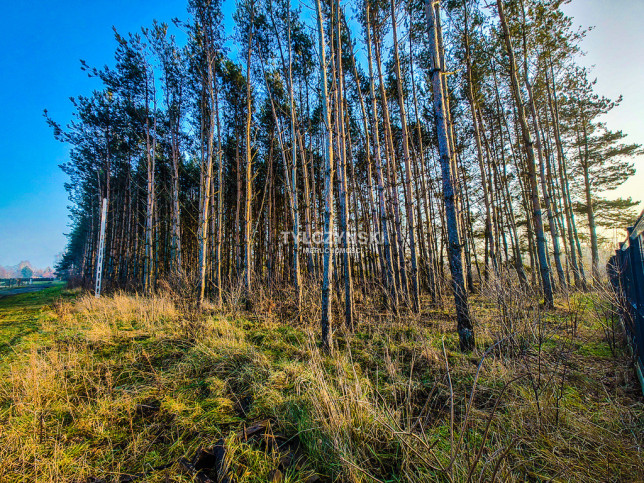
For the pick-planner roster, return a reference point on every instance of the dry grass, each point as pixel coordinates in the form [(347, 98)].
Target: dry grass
[(124, 383)]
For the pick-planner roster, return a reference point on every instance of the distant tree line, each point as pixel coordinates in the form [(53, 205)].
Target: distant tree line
[(25, 270), (464, 135)]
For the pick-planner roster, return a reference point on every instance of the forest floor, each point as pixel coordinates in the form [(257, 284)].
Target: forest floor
[(128, 388)]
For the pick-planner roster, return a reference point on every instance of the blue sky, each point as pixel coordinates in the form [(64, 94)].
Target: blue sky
[(42, 42), (616, 48)]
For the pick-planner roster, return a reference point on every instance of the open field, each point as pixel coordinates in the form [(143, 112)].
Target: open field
[(92, 390), (34, 287)]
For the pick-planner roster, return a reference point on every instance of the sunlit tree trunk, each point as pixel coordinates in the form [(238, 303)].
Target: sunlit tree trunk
[(206, 173), (220, 202), (150, 149), (249, 171)]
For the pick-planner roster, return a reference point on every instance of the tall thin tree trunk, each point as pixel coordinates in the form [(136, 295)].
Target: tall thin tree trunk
[(206, 177), (389, 270), (220, 202), (554, 232), (249, 171), (297, 281), (411, 224), (546, 281), (175, 237), (576, 264), (590, 211), (342, 174), (398, 247), (465, 327), (479, 150), (502, 122), (327, 275), (150, 146)]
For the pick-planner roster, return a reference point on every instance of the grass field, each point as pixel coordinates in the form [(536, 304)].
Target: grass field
[(25, 288), (96, 390), (20, 315)]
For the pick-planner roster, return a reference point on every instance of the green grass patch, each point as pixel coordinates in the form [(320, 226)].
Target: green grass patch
[(119, 385)]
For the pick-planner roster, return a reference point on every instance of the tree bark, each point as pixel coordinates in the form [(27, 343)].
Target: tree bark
[(327, 275), (206, 176), (249, 170), (465, 327)]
